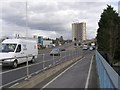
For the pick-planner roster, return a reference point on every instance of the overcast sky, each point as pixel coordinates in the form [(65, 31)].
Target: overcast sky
[(50, 19)]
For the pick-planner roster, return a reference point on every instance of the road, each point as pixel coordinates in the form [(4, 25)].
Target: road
[(46, 56), (39, 59), (73, 77), (10, 76)]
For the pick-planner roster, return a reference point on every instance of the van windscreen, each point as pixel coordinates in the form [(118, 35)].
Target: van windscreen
[(5, 47)]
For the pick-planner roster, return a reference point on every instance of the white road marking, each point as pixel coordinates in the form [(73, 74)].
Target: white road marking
[(88, 77), (19, 68), (60, 74), (14, 85), (50, 65), (45, 68), (58, 63), (12, 82), (28, 77), (36, 72)]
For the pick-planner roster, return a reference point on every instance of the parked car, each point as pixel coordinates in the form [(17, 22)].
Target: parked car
[(55, 51), (15, 51)]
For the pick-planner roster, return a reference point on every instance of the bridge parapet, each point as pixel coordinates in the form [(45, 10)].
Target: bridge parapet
[(108, 77)]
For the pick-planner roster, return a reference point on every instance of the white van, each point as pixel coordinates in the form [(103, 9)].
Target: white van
[(15, 51)]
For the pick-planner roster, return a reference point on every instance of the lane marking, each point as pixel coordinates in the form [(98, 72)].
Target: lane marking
[(58, 63), (12, 82), (19, 68), (50, 65), (36, 72), (45, 68), (61, 74), (88, 77), (29, 76), (13, 85), (29, 65)]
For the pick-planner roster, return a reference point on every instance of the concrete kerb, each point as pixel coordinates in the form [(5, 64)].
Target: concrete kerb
[(32, 82)]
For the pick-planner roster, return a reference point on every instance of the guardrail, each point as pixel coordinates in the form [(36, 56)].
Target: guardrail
[(44, 61), (107, 75)]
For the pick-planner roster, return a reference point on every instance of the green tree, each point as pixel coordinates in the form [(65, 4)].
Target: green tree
[(117, 51), (107, 33)]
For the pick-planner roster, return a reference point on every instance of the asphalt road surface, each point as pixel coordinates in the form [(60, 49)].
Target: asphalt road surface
[(39, 59), (75, 76), (10, 76)]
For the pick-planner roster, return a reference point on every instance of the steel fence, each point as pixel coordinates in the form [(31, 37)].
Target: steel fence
[(44, 61)]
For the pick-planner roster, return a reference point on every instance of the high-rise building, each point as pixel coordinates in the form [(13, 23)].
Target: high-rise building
[(79, 31), (119, 8)]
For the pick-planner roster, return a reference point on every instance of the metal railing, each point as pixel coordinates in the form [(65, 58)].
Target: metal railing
[(107, 75), (43, 62)]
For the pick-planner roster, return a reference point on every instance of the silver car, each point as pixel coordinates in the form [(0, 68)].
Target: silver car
[(90, 48), (85, 47), (55, 51)]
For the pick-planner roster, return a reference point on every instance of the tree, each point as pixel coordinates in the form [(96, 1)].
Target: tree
[(108, 32), (117, 51)]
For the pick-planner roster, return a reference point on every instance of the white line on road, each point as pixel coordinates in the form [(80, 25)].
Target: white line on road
[(19, 68), (50, 65), (36, 72), (12, 82), (45, 68), (13, 85), (60, 74), (88, 77)]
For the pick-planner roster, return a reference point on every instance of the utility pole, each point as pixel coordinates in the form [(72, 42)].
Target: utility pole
[(26, 19)]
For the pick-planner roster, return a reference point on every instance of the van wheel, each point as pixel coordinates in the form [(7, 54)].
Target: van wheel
[(15, 64), (33, 60)]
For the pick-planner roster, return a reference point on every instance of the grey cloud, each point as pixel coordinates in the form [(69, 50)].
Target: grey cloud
[(15, 19), (79, 5), (43, 7), (46, 26), (14, 13), (54, 16)]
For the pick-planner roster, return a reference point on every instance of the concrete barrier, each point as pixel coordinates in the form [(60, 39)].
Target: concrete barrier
[(32, 82)]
